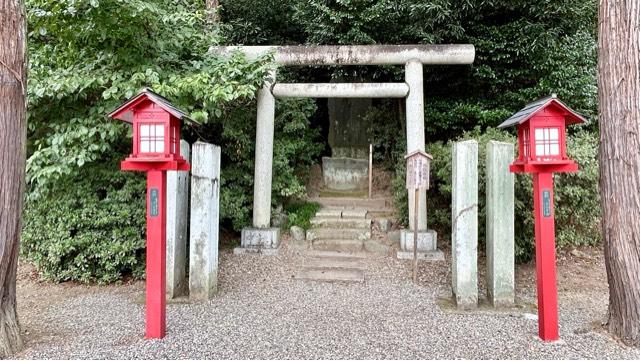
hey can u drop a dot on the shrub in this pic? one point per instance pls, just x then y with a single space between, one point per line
91 231
294 151
300 214
576 199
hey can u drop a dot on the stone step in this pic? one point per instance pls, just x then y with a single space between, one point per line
338 245
338 233
332 222
337 212
354 213
329 274
319 253
329 213
334 262
354 202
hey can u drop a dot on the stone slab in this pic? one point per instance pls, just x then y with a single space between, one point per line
176 228
332 222
464 223
430 256
338 245
500 225
348 275
204 228
354 213
260 238
427 240
355 202
334 262
320 253
338 233
330 213
345 173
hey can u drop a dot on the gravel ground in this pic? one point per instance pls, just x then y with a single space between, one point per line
260 312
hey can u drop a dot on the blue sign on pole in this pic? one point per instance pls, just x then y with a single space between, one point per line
546 203
153 202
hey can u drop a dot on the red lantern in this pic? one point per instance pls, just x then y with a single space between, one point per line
156 132
542 145
156 149
542 150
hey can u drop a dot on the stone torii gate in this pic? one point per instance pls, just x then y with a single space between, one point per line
261 237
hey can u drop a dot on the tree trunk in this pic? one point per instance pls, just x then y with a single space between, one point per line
213 8
619 101
12 163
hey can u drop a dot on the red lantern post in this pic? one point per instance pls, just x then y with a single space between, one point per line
542 152
156 149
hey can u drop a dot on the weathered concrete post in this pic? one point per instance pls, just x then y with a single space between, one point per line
500 224
264 158
464 223
177 225
205 199
415 132
262 238
427 238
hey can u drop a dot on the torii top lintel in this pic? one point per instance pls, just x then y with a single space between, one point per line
449 54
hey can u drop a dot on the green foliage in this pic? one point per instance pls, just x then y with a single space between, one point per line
524 49
91 230
295 149
86 57
300 214
577 209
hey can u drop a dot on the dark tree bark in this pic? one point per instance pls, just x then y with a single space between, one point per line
212 7
619 113
12 163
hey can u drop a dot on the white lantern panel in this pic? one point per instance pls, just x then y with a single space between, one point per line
144 146
159 146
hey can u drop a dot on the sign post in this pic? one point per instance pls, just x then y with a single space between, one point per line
418 163
542 151
156 149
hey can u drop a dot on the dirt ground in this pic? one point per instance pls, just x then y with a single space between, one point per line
582 285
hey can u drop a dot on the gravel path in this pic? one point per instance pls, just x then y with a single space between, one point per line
262 313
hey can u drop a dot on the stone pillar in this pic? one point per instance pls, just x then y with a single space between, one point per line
500 224
464 224
204 230
264 158
261 238
415 132
177 225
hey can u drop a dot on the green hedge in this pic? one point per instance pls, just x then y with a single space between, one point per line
576 194
93 231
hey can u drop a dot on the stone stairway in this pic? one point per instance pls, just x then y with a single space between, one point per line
338 240
339 229
331 266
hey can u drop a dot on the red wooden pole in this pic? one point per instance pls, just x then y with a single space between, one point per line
156 253
545 256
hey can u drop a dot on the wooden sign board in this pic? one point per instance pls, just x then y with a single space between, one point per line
418 164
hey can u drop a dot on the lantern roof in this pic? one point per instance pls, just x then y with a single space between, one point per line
123 112
418 152
524 114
